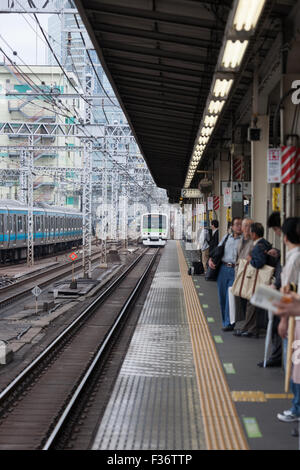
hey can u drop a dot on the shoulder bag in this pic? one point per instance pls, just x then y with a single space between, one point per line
248 277
217 255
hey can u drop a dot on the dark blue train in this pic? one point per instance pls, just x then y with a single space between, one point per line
54 229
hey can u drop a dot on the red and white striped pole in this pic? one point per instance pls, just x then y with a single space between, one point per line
289 164
238 168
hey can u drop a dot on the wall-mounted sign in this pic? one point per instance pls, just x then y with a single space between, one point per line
276 199
247 188
227 197
274 165
237 196
237 186
191 193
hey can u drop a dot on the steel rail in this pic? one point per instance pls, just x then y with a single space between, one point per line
99 299
97 358
61 271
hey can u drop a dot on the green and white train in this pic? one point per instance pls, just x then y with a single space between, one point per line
154 229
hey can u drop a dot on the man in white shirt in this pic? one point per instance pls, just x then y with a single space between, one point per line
289 280
204 246
226 273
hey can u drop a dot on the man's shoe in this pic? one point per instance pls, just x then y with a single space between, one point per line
237 332
228 328
270 363
247 334
288 417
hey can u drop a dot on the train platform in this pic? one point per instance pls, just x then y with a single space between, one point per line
187 385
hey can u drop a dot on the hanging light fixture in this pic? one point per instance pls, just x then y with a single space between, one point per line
234 53
215 107
247 14
222 87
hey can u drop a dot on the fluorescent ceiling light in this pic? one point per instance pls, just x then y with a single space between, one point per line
206 130
233 53
222 87
247 14
215 107
210 120
203 140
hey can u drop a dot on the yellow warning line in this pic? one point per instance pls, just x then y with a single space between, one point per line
222 426
258 396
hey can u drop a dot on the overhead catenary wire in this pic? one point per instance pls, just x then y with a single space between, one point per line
93 66
57 60
51 101
31 83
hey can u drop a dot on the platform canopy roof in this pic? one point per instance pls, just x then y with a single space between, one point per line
160 57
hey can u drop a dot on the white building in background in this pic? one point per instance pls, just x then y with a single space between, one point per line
37 109
74 50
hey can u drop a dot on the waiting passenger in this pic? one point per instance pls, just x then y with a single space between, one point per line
289 277
291 308
244 249
214 240
275 223
204 246
258 258
226 273
275 359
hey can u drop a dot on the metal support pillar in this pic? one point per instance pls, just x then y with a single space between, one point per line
23 177
103 258
87 210
124 217
113 213
29 170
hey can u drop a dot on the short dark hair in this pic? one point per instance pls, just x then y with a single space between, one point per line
257 228
215 223
291 229
236 218
274 220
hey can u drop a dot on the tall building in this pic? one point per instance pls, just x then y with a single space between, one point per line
32 108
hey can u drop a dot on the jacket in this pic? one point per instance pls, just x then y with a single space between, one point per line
259 255
214 242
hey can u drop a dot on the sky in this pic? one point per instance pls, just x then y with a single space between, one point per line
17 33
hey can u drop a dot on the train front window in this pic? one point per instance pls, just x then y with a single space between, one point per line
154 221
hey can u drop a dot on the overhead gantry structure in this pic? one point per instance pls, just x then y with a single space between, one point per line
180 69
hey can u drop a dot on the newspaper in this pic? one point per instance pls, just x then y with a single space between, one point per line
265 297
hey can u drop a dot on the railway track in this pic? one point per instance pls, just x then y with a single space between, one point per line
35 406
23 287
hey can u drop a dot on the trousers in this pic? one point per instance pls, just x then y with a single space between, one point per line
224 281
205 258
295 388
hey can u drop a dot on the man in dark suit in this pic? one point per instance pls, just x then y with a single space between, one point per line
214 239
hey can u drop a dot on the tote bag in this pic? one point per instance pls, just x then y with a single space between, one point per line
248 277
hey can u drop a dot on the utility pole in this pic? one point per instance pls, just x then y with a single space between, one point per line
87 210
103 258
29 170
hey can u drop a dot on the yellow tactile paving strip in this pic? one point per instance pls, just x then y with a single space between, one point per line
223 430
258 396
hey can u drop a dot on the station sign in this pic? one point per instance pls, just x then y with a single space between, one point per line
237 186
191 193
